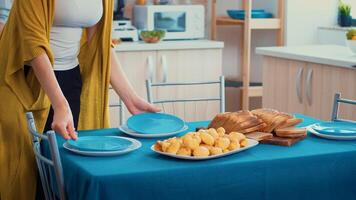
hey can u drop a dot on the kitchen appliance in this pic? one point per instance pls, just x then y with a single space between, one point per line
179 21
123 30
119 6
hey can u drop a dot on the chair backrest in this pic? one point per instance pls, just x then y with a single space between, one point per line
220 98
337 101
45 165
119 105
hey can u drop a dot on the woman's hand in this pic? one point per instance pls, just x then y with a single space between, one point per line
63 122
139 105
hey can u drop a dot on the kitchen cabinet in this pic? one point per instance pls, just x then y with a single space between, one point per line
307 88
181 65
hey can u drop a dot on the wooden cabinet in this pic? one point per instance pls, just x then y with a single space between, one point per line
307 88
173 66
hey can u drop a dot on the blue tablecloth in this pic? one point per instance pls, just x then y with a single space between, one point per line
314 168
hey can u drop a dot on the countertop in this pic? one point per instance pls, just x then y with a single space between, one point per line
169 45
336 28
334 55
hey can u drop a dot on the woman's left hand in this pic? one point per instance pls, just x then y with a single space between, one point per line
139 105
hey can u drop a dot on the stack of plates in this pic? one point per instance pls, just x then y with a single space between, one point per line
102 145
153 125
334 130
257 13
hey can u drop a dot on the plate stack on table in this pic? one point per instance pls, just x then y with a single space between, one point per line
335 130
153 125
265 125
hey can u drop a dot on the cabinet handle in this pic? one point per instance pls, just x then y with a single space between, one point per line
150 68
309 86
298 86
165 68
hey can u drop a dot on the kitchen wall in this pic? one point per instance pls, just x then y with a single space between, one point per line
302 19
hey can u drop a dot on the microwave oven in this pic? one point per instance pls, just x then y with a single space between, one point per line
179 21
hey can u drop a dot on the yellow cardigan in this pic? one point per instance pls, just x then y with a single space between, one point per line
26 36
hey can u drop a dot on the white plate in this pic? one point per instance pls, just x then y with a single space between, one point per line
331 137
130 132
251 143
135 145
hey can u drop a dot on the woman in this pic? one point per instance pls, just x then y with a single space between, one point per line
73 38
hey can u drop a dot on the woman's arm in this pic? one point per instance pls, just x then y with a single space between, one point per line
123 88
62 118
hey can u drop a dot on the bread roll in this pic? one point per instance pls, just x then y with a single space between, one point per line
207 138
243 143
201 152
174 147
220 131
222 143
234 145
235 136
216 151
190 142
184 151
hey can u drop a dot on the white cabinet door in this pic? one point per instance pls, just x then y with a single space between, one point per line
189 66
138 66
283 85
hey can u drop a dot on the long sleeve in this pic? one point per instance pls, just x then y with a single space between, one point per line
5 6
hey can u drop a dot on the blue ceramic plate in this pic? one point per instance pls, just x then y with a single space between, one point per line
336 128
330 137
100 143
135 145
240 14
155 123
132 133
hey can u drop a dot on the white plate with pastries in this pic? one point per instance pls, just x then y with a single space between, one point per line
204 145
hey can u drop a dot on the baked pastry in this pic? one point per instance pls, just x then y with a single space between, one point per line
201 152
235 136
215 151
234 145
243 143
221 131
207 138
291 132
184 151
190 142
222 142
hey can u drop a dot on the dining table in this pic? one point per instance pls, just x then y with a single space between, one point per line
314 168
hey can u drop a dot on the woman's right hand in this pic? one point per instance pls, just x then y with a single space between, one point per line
63 122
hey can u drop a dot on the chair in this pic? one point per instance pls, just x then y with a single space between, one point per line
121 112
45 165
119 105
221 98
335 111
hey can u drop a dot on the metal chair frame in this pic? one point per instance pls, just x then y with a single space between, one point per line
336 104
221 82
121 114
45 164
120 104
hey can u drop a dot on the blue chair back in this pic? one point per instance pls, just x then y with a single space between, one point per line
47 165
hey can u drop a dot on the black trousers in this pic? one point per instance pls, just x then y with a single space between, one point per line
70 82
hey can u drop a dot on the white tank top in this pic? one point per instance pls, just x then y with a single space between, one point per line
71 16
